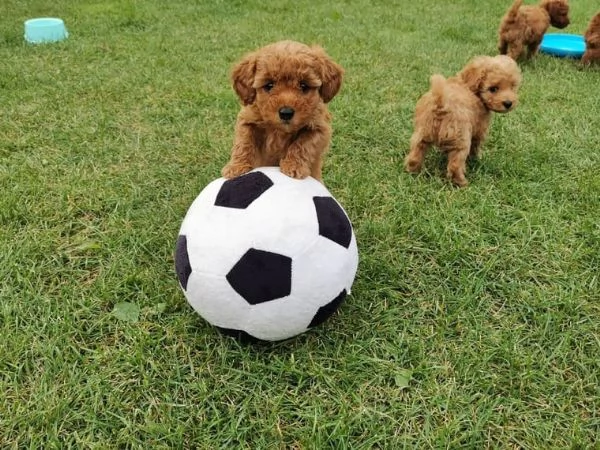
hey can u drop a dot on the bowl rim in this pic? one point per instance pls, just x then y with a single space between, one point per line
46 21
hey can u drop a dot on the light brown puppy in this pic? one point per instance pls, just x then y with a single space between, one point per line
592 42
455 114
522 27
284 121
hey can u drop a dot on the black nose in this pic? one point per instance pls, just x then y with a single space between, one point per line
286 113
507 104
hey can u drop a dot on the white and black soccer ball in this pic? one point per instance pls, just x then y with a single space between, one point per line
264 256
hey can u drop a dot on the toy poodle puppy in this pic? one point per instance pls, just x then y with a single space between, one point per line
592 42
284 121
456 112
523 27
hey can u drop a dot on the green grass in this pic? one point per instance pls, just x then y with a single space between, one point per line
475 316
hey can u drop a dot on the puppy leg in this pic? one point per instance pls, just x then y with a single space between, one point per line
475 151
515 50
502 46
418 149
590 57
295 164
243 153
586 58
304 156
457 157
479 135
532 48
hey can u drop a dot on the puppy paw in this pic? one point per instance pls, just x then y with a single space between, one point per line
294 170
459 181
412 166
235 170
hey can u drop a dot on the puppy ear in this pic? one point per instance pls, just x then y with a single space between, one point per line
474 73
242 77
331 74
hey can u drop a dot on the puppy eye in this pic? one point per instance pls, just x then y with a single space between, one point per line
493 89
304 87
267 87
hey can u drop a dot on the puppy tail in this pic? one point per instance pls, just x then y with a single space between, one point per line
513 12
438 82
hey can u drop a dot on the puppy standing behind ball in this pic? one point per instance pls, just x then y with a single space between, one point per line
455 114
592 42
284 121
523 27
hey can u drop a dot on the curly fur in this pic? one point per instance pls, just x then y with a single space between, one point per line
455 114
284 88
592 41
522 27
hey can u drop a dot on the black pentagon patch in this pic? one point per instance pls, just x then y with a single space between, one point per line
182 261
240 335
326 311
239 192
333 223
261 276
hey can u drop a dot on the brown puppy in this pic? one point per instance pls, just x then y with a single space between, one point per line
523 27
284 121
592 42
455 114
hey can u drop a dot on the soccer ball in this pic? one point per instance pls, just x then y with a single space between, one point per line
264 256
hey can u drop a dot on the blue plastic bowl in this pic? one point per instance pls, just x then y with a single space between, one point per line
45 29
563 45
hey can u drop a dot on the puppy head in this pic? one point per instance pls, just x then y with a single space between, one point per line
495 80
558 11
287 82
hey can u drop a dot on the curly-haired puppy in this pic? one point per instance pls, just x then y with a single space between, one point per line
592 42
523 27
455 114
284 121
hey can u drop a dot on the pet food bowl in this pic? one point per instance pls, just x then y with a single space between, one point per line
563 45
45 29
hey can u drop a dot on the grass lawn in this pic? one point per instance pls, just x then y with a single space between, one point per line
474 320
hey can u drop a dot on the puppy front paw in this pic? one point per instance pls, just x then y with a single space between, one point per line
235 170
458 180
413 165
294 170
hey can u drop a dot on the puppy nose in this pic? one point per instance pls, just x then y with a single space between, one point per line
507 104
286 113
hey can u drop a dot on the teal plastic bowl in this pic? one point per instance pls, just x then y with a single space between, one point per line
563 45
45 29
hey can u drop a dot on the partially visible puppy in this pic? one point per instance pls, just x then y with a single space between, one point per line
284 121
455 114
522 27
592 42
